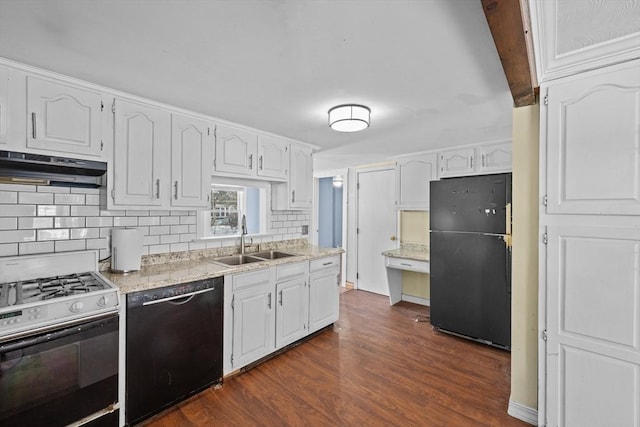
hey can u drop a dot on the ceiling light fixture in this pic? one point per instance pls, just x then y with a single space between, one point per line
349 117
337 181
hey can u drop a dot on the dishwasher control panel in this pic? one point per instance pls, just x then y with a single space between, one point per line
182 290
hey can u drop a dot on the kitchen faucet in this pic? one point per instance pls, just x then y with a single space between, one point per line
244 233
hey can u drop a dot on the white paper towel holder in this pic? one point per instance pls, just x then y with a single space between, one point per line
126 250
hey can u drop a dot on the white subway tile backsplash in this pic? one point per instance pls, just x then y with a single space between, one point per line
150 240
35 248
112 213
70 245
17 187
9 197
17 210
79 190
70 199
169 220
99 221
158 249
101 243
178 229
194 246
28 222
188 219
160 229
9 249
53 189
169 238
85 233
178 247
8 223
26 198
85 211
148 220
53 234
159 213
17 236
53 210
69 221
135 213
125 221
92 200
187 237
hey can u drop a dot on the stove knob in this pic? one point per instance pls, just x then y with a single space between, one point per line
77 306
104 301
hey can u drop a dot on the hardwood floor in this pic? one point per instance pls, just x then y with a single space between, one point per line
376 367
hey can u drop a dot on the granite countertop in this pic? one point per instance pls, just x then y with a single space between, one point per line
413 251
172 273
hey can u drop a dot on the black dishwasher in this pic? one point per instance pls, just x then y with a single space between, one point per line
174 345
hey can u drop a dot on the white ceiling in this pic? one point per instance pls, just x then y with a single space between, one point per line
428 69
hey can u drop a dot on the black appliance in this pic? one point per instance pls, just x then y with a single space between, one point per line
38 169
470 245
174 345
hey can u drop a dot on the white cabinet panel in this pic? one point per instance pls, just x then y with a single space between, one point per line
494 158
63 118
292 311
457 162
324 292
4 105
593 344
593 143
235 150
273 158
191 161
412 181
141 164
298 192
253 322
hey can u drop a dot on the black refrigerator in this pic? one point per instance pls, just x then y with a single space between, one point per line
470 241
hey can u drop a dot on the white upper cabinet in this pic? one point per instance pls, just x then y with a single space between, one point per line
141 155
301 179
63 118
591 119
494 158
412 181
236 151
273 158
458 162
191 161
4 106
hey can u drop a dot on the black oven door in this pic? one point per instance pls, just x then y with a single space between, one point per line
59 377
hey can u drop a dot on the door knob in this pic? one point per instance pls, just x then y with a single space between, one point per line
393 238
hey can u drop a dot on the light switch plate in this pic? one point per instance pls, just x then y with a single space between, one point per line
305 229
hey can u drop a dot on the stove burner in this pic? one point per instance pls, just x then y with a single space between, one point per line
16 293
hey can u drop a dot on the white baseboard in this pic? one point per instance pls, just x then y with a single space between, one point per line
416 300
524 413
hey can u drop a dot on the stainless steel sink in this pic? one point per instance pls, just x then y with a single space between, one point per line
237 259
271 255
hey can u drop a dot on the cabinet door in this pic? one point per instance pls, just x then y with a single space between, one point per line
235 150
273 158
494 158
292 311
301 177
458 162
141 154
324 288
590 121
412 181
63 118
4 105
253 323
191 160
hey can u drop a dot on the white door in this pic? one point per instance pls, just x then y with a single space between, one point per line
376 228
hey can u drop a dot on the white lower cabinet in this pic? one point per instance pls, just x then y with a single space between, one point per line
324 292
271 308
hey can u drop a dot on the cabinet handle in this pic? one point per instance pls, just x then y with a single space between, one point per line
250 161
260 162
471 162
405 264
175 190
483 164
269 303
327 263
280 297
293 196
33 125
158 188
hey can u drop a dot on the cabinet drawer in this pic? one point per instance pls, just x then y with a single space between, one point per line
332 262
252 278
290 271
408 264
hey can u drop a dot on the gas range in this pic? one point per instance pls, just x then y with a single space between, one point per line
42 292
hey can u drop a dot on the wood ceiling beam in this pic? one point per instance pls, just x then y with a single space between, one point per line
509 24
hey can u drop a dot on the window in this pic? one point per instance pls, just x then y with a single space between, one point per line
229 202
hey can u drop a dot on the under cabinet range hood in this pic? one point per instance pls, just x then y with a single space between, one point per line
38 169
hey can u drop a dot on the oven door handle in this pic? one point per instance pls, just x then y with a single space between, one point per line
169 299
43 336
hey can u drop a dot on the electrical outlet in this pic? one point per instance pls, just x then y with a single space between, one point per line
305 229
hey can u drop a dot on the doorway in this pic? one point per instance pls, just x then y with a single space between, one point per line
329 213
376 227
